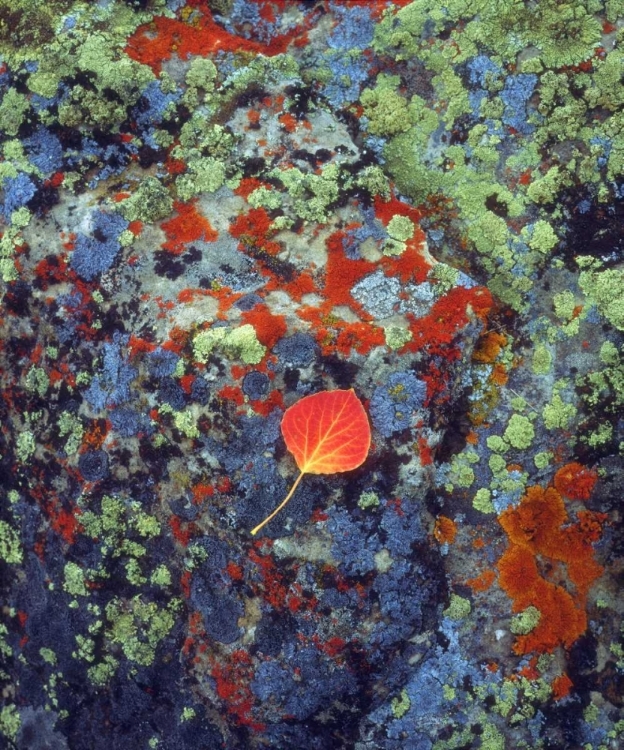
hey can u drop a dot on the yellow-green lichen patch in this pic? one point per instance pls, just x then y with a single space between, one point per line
543 459
149 202
397 336
74 582
519 432
387 111
458 608
9 721
558 414
542 360
186 422
137 627
482 501
525 621
368 500
400 705
605 288
236 343
10 545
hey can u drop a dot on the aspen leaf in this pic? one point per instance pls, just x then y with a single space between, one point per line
327 433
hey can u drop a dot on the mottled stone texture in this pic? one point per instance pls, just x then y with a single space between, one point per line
211 210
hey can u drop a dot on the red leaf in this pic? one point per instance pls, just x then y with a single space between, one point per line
327 432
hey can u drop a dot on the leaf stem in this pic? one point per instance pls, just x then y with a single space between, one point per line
279 507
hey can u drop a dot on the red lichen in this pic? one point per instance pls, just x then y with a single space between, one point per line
447 317
410 267
157 41
233 675
253 230
188 226
269 328
341 273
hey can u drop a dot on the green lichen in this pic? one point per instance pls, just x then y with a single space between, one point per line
545 189
374 181
482 501
491 738
70 425
264 197
188 713
519 432
400 705
525 621
186 422
543 237
10 545
205 175
201 74
543 459
100 674
565 33
558 414
10 721
138 627
133 572
497 444
13 108
400 228
498 465
149 202
600 436
458 608
26 445
609 354
542 360
444 276
564 305
48 656
161 577
605 288
386 110
74 582
311 194
397 336
368 500
37 380
236 343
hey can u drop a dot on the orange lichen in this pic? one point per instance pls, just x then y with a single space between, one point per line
482 582
531 524
499 375
561 686
445 530
539 530
288 122
489 347
518 575
575 481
